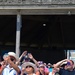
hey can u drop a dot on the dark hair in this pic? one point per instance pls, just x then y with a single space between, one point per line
72 62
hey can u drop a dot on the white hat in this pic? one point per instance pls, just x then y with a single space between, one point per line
41 65
13 54
29 64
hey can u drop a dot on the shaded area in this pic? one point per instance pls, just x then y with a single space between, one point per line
47 55
39 31
59 31
7 29
44 35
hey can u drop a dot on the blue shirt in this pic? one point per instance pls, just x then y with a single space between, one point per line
66 72
50 69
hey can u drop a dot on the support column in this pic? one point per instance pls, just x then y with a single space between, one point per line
68 54
18 29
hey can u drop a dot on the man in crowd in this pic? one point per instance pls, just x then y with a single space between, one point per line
8 67
68 68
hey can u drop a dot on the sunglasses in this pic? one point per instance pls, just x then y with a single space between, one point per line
68 63
29 66
12 59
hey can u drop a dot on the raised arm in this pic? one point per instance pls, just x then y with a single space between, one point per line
23 54
58 64
33 59
8 60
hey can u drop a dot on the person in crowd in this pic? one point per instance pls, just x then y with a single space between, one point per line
53 70
46 68
28 68
26 57
20 60
8 66
41 70
50 67
68 68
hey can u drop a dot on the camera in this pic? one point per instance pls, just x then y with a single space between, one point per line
26 57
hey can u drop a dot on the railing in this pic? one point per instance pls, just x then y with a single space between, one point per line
20 2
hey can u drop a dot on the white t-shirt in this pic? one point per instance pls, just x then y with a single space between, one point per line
9 71
50 73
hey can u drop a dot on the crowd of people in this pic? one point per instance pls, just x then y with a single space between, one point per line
26 64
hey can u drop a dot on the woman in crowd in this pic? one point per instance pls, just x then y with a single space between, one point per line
41 70
28 68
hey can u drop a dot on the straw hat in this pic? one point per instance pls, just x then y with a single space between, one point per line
13 54
24 65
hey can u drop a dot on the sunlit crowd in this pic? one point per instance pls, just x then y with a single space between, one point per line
26 64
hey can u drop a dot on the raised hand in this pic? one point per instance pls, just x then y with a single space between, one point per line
30 56
24 53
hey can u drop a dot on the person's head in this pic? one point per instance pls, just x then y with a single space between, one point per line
54 70
29 67
42 67
45 64
10 56
50 65
69 65
13 56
